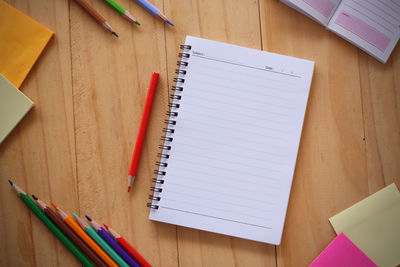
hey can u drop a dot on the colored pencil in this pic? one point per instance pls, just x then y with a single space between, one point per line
128 248
142 129
68 232
99 18
96 237
153 10
110 240
85 237
57 232
125 13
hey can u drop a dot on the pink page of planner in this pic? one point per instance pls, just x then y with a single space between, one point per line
342 252
325 7
363 30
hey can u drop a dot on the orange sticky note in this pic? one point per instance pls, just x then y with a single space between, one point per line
21 43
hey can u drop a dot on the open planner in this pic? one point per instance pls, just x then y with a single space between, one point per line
231 140
371 25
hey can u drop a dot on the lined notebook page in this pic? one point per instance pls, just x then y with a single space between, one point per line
235 141
372 25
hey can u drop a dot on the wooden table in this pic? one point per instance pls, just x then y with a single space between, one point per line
74 148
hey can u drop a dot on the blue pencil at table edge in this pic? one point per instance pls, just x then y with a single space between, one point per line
112 243
153 10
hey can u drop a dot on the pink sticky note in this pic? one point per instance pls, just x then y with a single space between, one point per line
342 252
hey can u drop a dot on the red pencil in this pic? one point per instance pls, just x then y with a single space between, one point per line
142 129
128 248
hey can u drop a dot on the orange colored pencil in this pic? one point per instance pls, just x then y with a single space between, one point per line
78 230
142 129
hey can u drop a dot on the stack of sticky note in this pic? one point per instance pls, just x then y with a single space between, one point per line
368 233
13 106
21 43
22 40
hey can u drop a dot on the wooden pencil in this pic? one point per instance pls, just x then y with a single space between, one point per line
142 129
85 237
99 18
69 233
113 243
103 244
52 227
128 248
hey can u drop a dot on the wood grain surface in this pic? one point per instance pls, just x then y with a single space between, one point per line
89 88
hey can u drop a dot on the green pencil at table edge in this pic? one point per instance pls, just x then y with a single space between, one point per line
56 231
121 10
103 244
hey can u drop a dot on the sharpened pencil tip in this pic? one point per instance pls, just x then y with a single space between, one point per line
76 216
11 183
137 22
54 205
87 217
129 189
115 34
170 23
34 197
105 225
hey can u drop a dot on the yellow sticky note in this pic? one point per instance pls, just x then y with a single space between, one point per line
373 224
13 106
22 40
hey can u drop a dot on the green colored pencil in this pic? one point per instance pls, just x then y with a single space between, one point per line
103 244
60 235
122 11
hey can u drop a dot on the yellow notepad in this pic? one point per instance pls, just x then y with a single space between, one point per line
13 107
373 224
22 40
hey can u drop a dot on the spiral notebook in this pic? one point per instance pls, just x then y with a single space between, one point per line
231 140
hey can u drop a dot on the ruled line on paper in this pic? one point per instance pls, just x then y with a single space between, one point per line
221 199
235 139
277 86
243 196
249 176
238 141
392 8
246 66
239 154
370 18
264 93
217 94
382 10
237 129
212 71
266 119
261 226
234 162
243 110
231 211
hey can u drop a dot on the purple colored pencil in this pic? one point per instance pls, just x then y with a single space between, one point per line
113 243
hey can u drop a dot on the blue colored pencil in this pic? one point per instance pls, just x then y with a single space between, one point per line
153 10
